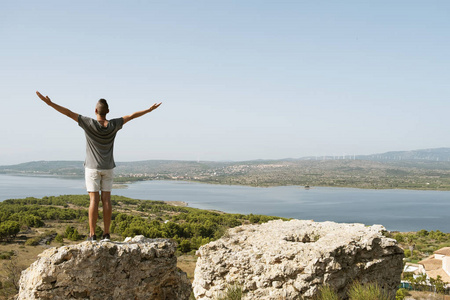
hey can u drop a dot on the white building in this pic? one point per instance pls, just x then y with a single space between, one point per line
437 264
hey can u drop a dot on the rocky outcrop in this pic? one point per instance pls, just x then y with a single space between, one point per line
292 259
139 268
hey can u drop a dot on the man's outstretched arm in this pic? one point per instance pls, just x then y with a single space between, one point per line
140 113
59 108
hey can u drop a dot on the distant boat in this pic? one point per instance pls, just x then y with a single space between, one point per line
307 187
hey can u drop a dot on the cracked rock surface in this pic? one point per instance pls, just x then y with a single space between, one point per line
138 268
292 259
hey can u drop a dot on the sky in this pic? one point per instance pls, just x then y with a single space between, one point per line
239 80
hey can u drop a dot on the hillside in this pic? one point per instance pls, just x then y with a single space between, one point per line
30 225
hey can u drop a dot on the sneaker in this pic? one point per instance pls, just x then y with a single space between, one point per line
106 237
92 238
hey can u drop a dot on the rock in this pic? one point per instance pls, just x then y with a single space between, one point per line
137 269
293 259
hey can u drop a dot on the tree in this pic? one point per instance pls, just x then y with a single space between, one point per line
185 246
9 230
11 278
438 284
410 240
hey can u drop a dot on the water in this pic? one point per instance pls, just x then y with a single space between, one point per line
403 210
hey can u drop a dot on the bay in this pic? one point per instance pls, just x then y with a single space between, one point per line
402 210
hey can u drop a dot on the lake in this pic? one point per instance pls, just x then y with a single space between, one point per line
403 210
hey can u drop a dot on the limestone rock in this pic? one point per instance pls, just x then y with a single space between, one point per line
292 259
139 268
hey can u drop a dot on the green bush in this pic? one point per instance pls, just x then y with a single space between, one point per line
399 237
184 246
33 241
59 238
401 294
72 234
6 254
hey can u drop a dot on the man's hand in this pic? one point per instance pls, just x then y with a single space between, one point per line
155 106
140 113
46 99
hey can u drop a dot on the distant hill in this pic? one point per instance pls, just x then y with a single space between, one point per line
62 167
76 167
436 154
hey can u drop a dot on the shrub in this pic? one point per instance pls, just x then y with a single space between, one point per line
371 291
185 246
32 242
72 234
98 231
401 294
6 254
59 238
233 292
326 293
399 237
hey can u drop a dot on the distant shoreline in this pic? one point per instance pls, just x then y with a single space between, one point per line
124 184
416 172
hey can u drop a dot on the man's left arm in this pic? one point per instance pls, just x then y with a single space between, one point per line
140 113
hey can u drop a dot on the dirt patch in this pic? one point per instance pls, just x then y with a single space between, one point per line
415 295
176 203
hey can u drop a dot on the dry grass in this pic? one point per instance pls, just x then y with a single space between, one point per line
187 264
426 296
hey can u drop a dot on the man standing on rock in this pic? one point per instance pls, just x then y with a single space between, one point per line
99 163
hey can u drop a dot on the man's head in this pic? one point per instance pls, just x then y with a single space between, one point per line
102 107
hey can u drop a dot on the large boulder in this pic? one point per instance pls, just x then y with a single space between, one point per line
293 259
139 268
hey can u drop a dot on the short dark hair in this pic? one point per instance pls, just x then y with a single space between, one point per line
102 107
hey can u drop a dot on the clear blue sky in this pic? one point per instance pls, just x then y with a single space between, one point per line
238 79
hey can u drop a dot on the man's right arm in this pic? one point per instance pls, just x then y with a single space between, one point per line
59 108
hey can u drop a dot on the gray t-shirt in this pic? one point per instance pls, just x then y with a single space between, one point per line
99 142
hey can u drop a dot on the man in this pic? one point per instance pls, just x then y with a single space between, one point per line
99 163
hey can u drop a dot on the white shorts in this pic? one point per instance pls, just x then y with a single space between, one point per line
99 180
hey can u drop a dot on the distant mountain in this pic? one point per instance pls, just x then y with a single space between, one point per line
436 154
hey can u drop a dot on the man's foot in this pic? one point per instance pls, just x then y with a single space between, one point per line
106 237
92 238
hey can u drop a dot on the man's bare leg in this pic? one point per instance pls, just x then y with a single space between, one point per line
107 210
93 211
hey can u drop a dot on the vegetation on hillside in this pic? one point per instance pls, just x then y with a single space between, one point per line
190 227
421 244
27 223
31 221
